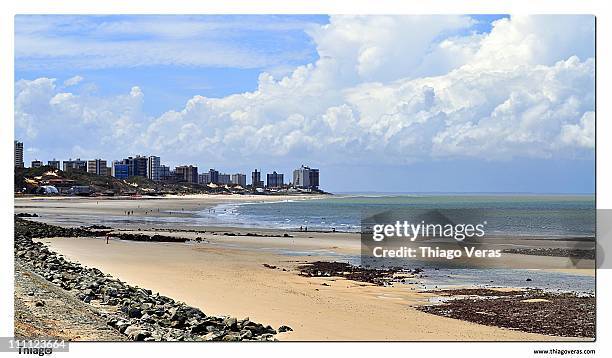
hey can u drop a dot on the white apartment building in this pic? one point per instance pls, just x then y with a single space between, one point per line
153 168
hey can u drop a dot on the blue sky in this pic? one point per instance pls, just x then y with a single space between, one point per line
406 97
284 49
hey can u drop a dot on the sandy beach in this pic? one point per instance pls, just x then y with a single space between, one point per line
172 205
225 275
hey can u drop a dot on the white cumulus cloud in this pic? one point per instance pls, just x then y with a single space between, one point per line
385 89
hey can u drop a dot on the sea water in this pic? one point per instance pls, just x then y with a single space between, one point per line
509 214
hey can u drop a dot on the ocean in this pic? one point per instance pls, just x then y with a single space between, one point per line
553 216
505 214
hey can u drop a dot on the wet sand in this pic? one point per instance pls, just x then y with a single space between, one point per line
168 206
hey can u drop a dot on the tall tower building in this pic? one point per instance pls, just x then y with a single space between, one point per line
54 163
19 155
275 180
306 177
239 179
97 167
153 168
187 173
256 179
214 176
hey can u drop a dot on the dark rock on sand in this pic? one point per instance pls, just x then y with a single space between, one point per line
536 311
376 276
26 215
136 312
282 329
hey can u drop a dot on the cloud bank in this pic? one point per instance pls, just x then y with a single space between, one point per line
385 89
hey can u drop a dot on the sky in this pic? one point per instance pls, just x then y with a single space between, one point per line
457 103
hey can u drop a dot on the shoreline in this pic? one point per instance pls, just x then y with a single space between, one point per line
185 206
550 254
215 273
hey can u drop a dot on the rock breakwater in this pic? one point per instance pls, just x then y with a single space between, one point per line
136 312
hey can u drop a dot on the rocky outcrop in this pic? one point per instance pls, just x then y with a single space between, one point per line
562 314
138 313
147 238
375 276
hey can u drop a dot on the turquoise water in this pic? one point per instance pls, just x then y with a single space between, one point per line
539 215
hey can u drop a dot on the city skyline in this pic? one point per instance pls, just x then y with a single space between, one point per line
462 104
151 167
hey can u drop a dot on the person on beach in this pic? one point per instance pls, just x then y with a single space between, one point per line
107 239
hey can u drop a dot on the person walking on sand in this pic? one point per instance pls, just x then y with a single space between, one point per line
107 239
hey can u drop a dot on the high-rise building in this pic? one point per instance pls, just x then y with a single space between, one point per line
54 164
214 176
137 166
274 180
224 179
36 164
239 179
313 177
19 155
204 178
120 170
187 173
164 172
256 179
301 178
74 165
306 177
153 166
97 167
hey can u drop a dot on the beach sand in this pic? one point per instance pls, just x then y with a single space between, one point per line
228 281
224 275
171 205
